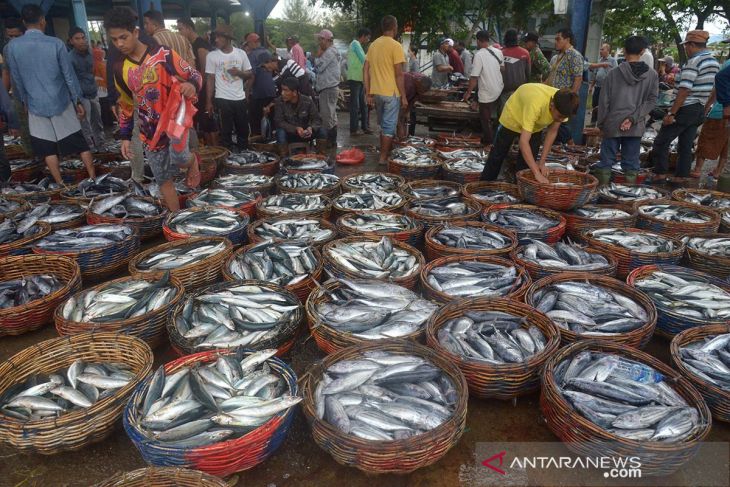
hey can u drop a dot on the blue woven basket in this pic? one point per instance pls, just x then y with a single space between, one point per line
223 458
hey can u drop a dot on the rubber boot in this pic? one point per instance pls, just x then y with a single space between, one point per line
723 183
603 175
630 177
283 150
322 146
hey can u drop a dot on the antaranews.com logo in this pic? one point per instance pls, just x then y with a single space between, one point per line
612 467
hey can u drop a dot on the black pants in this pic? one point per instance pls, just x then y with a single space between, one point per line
233 113
595 100
4 164
686 123
485 116
500 149
256 107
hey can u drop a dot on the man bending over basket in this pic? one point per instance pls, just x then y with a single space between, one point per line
160 81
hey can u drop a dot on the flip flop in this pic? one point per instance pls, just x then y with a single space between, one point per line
192 179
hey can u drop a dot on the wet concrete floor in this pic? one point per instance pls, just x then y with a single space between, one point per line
299 461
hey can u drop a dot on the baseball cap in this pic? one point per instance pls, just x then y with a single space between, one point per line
325 34
531 36
699 36
450 42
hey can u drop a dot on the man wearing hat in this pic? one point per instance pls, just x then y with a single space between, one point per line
441 66
327 66
539 65
296 52
454 58
226 68
694 85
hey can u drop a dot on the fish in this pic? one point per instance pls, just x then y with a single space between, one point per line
466 165
118 301
373 310
16 164
17 292
373 180
625 397
495 337
28 188
395 397
177 257
464 154
641 242
600 213
153 189
235 315
84 238
706 199
467 279
709 359
434 190
209 403
716 246
371 259
210 220
471 238
222 197
306 163
309 181
442 207
51 213
493 195
11 231
623 192
71 164
527 223
307 230
368 200
589 309
417 140
242 181
7 206
686 295
674 213
66 389
285 264
569 256
411 155
283 204
378 223
125 206
103 185
245 157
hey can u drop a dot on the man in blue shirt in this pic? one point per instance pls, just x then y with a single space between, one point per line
44 80
83 63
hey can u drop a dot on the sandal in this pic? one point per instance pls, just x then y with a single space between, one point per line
192 179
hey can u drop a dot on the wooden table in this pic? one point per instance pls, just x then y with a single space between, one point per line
449 115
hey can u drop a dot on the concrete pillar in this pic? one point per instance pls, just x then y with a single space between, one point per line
79 10
579 22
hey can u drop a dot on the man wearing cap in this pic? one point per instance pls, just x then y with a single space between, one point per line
296 52
539 65
226 68
486 74
441 65
454 59
694 86
530 109
262 86
327 66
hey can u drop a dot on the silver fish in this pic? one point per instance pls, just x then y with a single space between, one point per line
525 223
686 295
86 237
466 279
210 220
371 259
183 255
245 157
374 180
368 200
706 199
674 213
563 256
222 197
414 156
242 181
17 292
442 207
466 164
474 238
306 230
379 223
709 359
641 242
284 264
718 246
309 181
600 213
622 192
283 204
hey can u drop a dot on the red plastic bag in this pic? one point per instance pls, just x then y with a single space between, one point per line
351 157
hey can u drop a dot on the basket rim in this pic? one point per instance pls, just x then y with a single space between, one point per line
130 238
346 184
514 241
163 247
688 336
242 226
228 276
612 261
420 259
155 201
714 216
587 236
324 223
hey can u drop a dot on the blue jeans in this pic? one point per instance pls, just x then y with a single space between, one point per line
630 150
358 107
284 137
388 109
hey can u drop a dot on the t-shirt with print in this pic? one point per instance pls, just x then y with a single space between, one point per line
227 86
567 66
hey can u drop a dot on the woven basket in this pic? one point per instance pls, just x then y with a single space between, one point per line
300 289
718 399
101 262
35 314
339 211
237 236
399 456
678 229
628 260
724 227
23 206
716 265
413 237
630 205
538 272
211 158
414 173
440 297
331 340
266 169
53 194
245 209
222 458
348 184
496 381
321 212
22 246
575 224
149 327
461 177
70 176
323 223
453 141
28 173
148 227
75 429
162 477
336 270
76 222
434 249
549 236
192 276
585 438
286 167
329 191
430 221
470 189
574 195
637 338
670 323
428 142
681 195
263 189
408 188
283 342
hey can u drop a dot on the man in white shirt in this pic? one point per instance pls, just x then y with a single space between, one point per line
226 69
486 75
648 58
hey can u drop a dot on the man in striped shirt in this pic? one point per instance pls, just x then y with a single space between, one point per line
694 86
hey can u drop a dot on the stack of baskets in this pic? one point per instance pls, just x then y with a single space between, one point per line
211 158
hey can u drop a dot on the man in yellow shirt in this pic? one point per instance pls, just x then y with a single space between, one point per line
531 108
383 77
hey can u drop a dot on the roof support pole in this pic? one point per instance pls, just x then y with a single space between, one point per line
579 23
80 18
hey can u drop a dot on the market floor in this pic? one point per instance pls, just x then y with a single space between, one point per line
300 462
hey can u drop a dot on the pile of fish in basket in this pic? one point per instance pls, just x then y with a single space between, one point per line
419 292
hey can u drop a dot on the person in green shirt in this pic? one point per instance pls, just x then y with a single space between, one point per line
355 63
540 65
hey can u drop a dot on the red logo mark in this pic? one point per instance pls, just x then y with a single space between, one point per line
488 462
